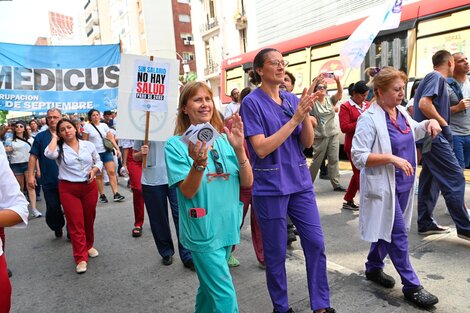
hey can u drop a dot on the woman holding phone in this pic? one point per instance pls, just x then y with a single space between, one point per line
78 163
208 180
326 130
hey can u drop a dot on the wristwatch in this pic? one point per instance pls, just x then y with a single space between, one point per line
199 168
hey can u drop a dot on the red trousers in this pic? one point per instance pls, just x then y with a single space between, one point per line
135 175
353 183
5 286
246 198
79 202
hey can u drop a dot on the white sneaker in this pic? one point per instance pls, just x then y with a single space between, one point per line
36 213
93 253
81 267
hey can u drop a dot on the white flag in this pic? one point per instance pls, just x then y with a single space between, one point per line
354 50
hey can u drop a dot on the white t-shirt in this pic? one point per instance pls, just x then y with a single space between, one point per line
94 136
465 87
20 153
10 195
232 108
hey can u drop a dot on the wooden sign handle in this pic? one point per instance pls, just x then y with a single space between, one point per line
147 126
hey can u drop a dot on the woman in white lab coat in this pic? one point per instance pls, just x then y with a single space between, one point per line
383 149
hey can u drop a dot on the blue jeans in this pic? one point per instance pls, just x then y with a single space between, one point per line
462 150
155 198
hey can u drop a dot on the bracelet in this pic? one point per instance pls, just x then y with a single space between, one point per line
243 164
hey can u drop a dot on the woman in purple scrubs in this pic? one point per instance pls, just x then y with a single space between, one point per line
278 129
383 149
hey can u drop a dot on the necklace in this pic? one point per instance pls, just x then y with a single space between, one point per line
394 123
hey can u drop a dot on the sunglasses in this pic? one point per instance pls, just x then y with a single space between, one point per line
219 169
322 87
19 126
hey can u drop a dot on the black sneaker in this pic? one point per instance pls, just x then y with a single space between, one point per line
291 237
189 264
103 199
288 311
58 233
118 197
465 235
167 260
381 278
339 188
421 298
434 229
350 205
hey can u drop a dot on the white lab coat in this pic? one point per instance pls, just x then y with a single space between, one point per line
377 183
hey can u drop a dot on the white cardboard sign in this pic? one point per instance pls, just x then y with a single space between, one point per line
146 85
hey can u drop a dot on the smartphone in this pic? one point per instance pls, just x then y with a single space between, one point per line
197 212
328 75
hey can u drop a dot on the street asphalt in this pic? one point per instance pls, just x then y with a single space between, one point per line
128 275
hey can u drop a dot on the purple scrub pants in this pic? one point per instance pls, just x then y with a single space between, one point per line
271 212
397 249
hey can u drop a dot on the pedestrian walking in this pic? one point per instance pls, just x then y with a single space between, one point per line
383 150
78 163
440 168
47 173
278 129
96 132
13 211
208 180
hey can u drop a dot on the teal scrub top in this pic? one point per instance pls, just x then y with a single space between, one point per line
220 198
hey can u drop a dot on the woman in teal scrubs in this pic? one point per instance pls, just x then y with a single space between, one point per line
209 178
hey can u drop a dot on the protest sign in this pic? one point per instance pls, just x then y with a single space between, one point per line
71 78
147 86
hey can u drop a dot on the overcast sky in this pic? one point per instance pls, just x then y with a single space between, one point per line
22 21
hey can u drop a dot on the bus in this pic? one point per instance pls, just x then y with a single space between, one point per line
426 27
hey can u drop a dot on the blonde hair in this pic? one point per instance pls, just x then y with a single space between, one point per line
182 119
384 79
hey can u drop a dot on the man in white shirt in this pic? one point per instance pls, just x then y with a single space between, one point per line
13 211
234 106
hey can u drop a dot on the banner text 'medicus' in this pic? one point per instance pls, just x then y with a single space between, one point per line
22 78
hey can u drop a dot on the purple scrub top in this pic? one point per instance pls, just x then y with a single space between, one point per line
285 170
403 146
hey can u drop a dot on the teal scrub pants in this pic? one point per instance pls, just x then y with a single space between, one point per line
216 293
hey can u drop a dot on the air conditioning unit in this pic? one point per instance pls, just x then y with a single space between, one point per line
186 42
191 43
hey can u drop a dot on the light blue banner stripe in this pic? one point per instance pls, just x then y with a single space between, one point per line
58 56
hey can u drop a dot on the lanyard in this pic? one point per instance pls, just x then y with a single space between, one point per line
403 131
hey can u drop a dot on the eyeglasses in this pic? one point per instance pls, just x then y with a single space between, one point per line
19 126
219 169
276 63
53 117
321 87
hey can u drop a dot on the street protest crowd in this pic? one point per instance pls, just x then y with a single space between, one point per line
253 157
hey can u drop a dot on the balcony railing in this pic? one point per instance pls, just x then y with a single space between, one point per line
213 23
212 68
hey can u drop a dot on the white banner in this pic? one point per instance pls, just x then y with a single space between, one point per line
355 49
146 85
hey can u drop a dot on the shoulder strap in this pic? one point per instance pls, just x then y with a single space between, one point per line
22 139
455 87
97 130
